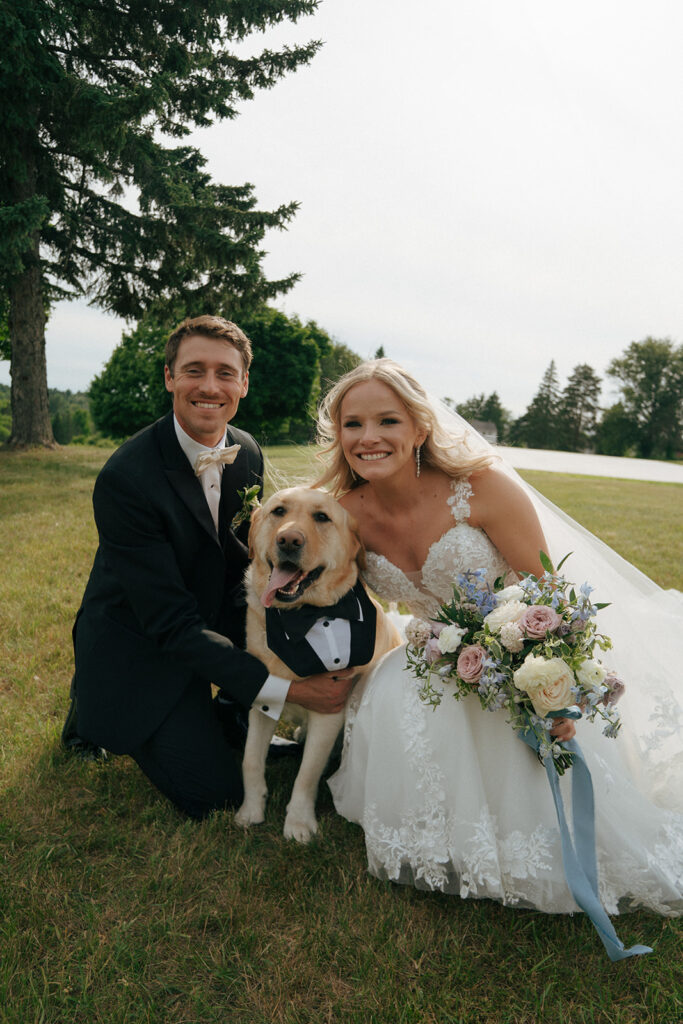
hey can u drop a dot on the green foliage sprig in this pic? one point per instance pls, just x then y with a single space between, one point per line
250 501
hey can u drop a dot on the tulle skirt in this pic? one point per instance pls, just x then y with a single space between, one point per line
451 800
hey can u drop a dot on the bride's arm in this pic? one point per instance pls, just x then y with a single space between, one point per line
505 512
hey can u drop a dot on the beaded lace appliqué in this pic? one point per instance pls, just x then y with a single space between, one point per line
462 547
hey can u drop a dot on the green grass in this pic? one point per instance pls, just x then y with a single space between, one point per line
642 521
115 910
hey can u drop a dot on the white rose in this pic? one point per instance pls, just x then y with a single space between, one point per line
509 611
548 681
450 638
591 674
511 593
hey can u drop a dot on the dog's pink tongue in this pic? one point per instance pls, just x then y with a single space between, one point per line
278 578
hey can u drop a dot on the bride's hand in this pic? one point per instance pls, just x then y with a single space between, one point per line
563 729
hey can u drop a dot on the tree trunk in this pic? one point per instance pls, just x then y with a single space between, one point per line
30 410
28 368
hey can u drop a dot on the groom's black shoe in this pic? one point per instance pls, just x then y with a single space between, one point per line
74 743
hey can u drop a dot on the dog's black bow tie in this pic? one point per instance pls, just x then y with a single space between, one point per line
286 631
296 622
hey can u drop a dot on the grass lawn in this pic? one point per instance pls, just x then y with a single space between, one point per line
115 910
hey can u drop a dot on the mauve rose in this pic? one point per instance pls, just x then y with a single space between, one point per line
432 652
470 663
539 620
615 689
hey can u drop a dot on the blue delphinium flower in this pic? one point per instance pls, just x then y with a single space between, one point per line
530 588
491 685
471 581
585 607
498 701
545 749
477 591
486 602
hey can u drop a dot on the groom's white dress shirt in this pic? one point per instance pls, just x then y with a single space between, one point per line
272 696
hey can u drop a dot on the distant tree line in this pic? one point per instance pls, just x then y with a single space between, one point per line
646 420
69 416
295 362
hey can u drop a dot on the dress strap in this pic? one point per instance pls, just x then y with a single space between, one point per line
460 500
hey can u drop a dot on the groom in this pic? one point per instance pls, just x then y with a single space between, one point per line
163 612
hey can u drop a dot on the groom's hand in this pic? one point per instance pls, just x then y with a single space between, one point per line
325 692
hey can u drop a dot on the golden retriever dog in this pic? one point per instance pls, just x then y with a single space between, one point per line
305 550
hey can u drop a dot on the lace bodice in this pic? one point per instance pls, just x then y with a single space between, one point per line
460 548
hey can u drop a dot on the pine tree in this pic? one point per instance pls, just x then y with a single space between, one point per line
537 426
92 202
577 411
486 408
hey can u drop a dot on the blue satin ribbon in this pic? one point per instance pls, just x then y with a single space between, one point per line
579 858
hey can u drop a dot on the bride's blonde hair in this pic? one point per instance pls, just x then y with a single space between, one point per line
442 450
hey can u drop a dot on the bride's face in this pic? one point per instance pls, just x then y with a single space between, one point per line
377 433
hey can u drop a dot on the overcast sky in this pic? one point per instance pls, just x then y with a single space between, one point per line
484 186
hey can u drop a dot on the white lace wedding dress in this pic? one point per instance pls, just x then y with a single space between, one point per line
450 799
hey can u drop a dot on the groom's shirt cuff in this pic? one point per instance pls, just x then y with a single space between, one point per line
272 696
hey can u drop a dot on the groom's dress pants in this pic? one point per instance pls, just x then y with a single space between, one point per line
188 757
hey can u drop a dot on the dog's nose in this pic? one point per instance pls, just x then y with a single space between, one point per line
290 540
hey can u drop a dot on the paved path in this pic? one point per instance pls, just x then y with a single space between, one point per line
593 465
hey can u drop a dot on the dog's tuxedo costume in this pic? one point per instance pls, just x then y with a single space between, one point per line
310 639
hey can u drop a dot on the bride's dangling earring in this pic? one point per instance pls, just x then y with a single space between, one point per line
417 460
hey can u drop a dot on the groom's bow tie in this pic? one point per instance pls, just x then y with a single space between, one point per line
219 456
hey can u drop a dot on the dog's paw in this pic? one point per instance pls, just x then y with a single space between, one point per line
250 814
300 826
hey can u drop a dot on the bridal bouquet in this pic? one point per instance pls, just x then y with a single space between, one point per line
528 649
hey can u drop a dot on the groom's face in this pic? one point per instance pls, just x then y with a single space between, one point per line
207 383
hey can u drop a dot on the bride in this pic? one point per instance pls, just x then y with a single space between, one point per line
449 798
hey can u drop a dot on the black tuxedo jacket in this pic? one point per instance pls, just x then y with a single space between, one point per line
164 606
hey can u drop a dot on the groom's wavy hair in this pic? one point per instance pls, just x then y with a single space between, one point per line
448 452
208 327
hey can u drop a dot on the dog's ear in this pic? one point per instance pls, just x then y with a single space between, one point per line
354 529
255 519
